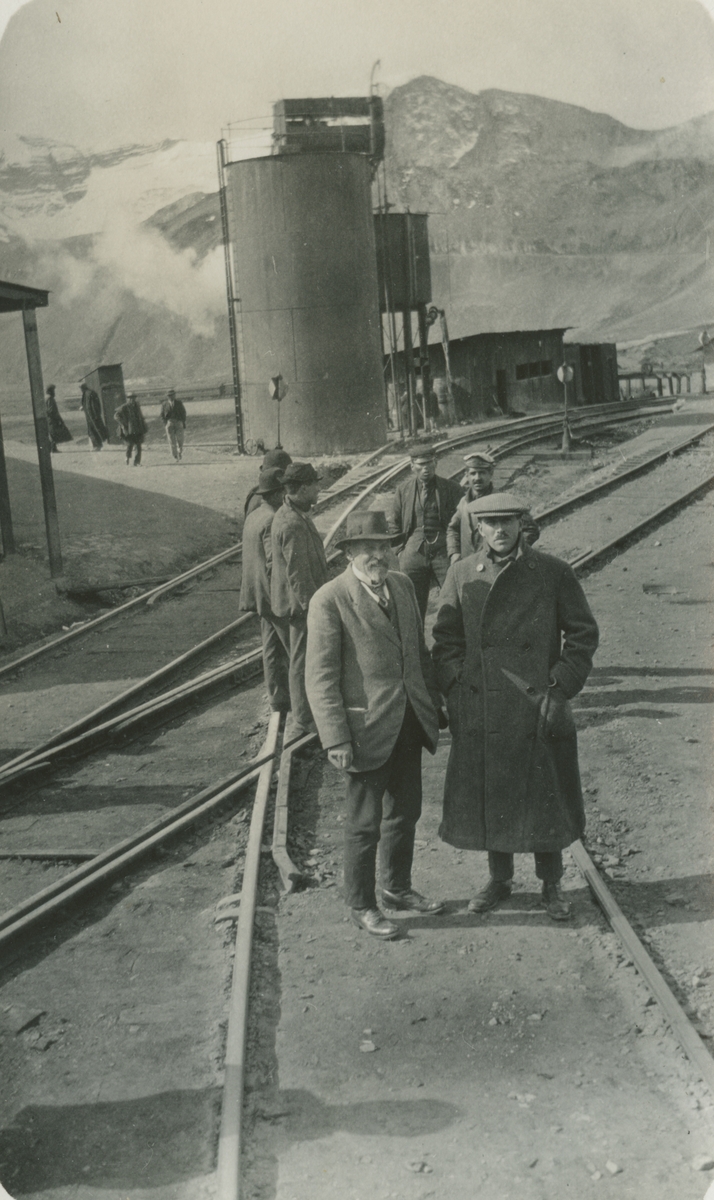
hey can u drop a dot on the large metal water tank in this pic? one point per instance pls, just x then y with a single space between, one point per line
305 268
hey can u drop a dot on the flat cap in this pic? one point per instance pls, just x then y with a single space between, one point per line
421 450
270 480
497 504
480 456
298 473
277 458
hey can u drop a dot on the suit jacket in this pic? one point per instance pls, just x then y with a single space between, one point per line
405 514
299 563
257 561
362 667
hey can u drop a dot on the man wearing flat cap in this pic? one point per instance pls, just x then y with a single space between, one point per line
371 687
462 535
255 585
299 569
514 640
272 458
422 508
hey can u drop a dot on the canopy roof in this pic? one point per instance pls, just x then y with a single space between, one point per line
15 296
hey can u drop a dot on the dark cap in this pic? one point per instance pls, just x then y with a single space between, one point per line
421 451
297 473
277 458
51 388
366 526
497 504
132 395
172 393
270 480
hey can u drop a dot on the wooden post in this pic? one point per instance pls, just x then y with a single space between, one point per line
409 370
39 412
6 534
670 382
660 385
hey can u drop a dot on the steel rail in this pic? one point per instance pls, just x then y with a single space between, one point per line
51 899
599 489
123 721
229 1141
679 1022
136 689
582 561
85 627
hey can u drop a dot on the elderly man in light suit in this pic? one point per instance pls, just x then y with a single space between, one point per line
371 689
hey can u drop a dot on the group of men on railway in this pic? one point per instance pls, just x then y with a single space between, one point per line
513 642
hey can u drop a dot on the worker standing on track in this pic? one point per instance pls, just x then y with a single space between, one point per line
514 640
173 415
421 511
462 536
372 690
255 585
92 406
58 431
132 427
274 458
299 569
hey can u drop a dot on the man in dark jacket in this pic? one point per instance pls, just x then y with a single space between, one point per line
371 687
514 640
274 458
173 415
462 536
299 569
92 406
132 426
56 427
421 511
255 585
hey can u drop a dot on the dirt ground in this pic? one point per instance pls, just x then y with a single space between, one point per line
501 1056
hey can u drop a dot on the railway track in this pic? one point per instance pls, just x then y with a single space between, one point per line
88 731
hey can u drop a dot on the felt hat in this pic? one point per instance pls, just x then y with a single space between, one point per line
366 526
298 473
277 458
270 480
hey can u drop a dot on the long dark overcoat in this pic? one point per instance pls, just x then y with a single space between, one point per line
508 786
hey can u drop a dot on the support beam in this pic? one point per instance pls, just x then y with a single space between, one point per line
6 534
39 412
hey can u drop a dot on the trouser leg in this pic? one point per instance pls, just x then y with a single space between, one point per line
276 667
363 815
171 438
401 806
302 714
129 448
179 437
549 866
137 454
500 866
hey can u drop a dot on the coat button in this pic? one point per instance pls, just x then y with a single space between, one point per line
480 567
526 645
532 566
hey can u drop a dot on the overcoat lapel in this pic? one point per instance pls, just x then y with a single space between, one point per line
368 610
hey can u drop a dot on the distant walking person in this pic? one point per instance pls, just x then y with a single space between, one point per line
299 569
57 429
274 458
92 406
132 427
255 585
173 415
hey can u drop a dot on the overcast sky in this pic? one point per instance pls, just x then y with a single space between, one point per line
98 73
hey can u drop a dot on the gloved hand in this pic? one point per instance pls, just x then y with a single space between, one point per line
341 756
556 715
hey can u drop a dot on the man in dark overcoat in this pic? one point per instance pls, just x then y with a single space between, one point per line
462 535
92 407
58 431
514 640
422 508
371 687
132 427
299 569
255 585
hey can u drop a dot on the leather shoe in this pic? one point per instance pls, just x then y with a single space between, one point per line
490 897
374 922
412 901
552 901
